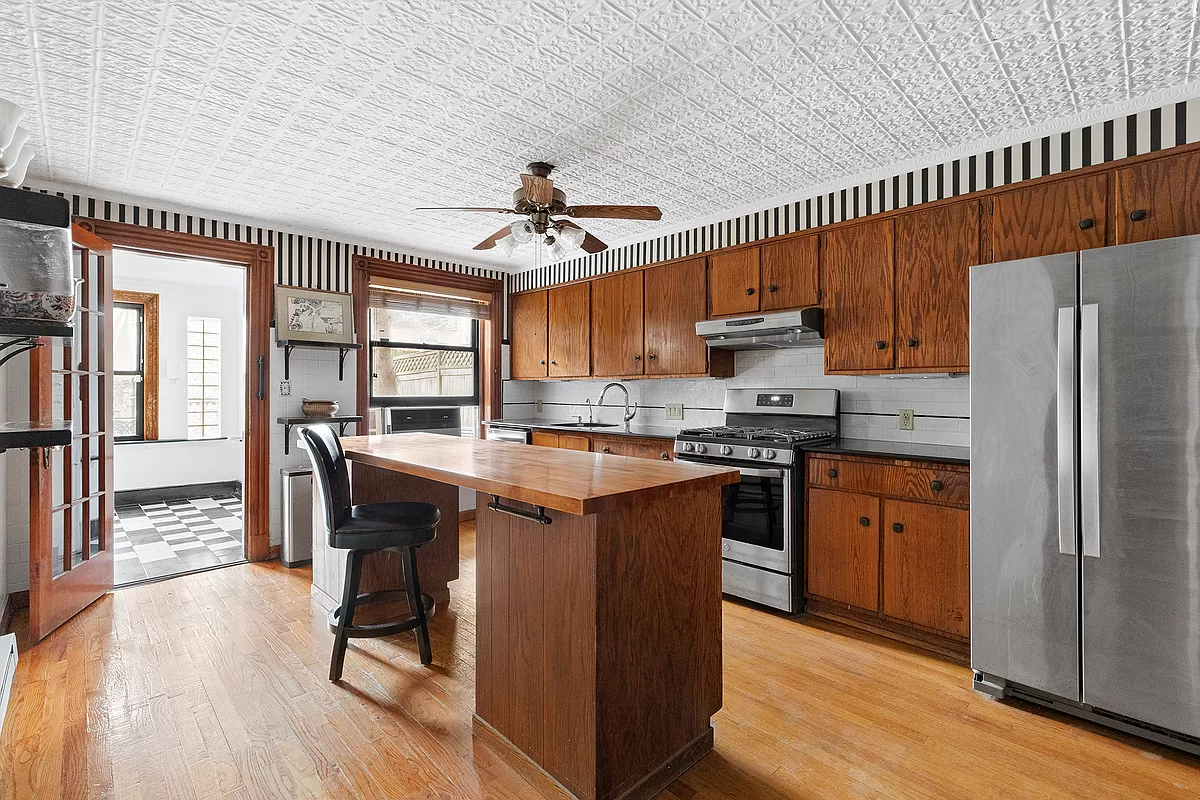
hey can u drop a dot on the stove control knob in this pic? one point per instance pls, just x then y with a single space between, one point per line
688 447
724 547
754 452
726 450
701 448
770 454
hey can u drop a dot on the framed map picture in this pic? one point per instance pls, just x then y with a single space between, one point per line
314 316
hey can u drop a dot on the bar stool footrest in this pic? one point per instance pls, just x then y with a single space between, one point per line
388 627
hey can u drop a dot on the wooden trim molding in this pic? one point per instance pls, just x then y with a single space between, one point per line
259 261
149 303
16 600
491 330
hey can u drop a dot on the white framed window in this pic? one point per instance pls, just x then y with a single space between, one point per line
204 378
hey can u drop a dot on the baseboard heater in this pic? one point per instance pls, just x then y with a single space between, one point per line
8 669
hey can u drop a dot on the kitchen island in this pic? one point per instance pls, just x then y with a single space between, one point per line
598 604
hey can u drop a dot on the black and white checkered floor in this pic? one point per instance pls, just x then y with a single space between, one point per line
161 539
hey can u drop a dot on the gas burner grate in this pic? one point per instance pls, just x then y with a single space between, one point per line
753 434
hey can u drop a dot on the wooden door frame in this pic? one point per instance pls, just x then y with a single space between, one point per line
149 303
491 334
259 262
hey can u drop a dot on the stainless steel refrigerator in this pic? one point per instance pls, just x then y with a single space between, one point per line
1085 484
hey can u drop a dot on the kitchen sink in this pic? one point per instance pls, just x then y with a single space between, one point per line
585 425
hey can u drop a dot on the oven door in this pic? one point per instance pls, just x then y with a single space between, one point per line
756 518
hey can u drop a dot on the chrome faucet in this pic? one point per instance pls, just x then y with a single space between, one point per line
629 413
588 400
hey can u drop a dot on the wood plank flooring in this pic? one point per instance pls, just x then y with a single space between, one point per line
213 686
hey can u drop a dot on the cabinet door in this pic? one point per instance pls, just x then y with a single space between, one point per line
733 282
842 547
935 250
1051 218
543 439
926 566
789 273
658 449
617 325
569 311
675 300
1158 199
527 335
572 441
858 279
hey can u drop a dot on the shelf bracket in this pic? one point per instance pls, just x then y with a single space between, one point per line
22 344
287 361
287 431
342 351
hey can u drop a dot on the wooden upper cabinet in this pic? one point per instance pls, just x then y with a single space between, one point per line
935 250
1158 199
1056 217
569 339
675 302
617 325
790 273
842 547
857 276
527 335
733 282
926 566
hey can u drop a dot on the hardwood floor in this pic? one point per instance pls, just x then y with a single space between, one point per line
213 686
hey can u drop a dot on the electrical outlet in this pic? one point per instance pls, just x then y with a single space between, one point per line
906 419
537 406
285 388
674 410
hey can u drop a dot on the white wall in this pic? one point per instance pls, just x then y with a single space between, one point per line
870 404
185 289
16 468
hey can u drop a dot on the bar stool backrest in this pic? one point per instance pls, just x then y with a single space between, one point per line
331 473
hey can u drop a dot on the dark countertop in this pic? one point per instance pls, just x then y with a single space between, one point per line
945 453
646 431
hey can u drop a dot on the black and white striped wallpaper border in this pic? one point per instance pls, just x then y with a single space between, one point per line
1109 140
311 262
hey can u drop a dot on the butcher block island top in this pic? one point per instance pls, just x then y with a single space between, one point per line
597 601
564 480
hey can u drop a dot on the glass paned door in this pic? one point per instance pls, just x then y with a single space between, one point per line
71 492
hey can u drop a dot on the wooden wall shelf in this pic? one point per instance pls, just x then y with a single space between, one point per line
299 422
289 345
24 435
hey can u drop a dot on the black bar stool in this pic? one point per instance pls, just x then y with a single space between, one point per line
363 529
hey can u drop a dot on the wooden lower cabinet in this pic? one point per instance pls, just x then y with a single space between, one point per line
887 552
563 441
635 446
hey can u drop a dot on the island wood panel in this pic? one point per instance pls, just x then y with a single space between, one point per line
1158 199
790 273
617 338
857 276
842 547
569 340
675 301
528 328
437 561
1056 217
587 700
733 282
890 478
926 566
935 249
577 483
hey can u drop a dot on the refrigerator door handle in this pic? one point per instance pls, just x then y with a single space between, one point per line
1066 431
1089 424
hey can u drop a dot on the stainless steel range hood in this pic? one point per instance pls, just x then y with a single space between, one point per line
783 329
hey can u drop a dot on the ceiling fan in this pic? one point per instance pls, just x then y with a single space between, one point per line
544 207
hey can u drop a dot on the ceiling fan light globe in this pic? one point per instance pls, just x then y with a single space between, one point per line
571 238
507 244
522 231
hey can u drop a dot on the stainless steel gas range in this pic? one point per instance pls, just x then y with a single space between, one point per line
762 435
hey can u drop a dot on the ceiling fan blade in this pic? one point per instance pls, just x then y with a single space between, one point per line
469 208
490 242
590 243
615 212
539 191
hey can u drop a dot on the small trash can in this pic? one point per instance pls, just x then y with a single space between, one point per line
296 548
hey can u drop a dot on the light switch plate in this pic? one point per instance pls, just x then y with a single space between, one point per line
285 388
906 419
674 410
537 406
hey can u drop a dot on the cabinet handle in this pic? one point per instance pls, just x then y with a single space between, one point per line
637 357
542 362
772 288
1138 214
552 361
864 521
651 356
897 527
749 290
664 455
937 486
913 342
881 345
1086 224
832 473
605 449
